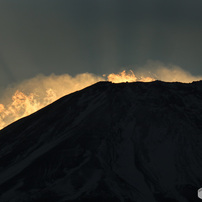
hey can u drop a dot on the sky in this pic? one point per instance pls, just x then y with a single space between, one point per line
96 36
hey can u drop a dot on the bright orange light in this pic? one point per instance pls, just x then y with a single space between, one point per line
122 77
41 91
23 105
147 79
1 108
127 77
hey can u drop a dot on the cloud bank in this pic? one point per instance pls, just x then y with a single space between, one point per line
168 73
36 93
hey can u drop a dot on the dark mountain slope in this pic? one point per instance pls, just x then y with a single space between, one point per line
138 142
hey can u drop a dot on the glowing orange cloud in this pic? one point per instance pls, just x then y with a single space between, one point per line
23 105
127 77
122 77
36 93
1 108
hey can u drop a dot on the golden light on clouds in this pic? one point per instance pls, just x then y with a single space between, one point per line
127 77
122 77
36 93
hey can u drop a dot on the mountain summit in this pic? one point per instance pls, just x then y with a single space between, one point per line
139 142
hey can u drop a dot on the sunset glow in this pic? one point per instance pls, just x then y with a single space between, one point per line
122 77
127 77
22 103
36 93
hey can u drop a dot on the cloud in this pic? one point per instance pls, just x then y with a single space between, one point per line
168 73
34 94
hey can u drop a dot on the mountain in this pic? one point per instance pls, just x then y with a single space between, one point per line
139 142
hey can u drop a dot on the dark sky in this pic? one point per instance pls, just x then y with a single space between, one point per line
97 36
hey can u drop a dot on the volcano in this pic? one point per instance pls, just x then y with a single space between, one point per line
139 142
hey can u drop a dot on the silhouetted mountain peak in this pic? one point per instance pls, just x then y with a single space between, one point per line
108 142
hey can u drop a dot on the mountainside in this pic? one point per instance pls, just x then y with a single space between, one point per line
138 142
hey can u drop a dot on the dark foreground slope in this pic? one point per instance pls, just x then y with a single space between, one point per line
138 142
